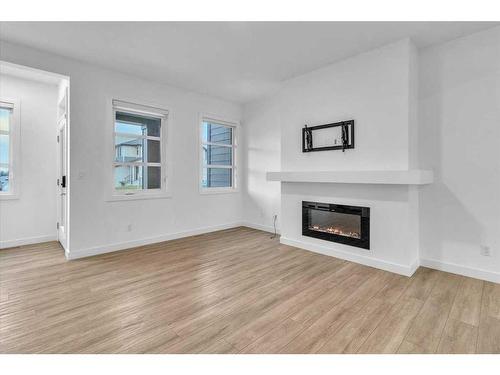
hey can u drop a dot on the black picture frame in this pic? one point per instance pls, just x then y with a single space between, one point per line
348 136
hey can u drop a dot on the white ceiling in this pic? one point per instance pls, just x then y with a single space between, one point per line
238 61
30 74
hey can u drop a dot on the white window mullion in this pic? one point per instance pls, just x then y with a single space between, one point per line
217 144
137 136
217 166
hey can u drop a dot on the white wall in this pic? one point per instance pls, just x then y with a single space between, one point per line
371 88
32 217
98 225
459 120
263 153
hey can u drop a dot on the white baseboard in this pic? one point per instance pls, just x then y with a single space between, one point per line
82 253
415 266
27 241
475 273
265 228
367 261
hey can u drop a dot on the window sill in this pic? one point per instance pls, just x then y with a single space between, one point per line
207 191
8 197
136 197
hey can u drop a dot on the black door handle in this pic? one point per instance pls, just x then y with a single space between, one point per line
63 181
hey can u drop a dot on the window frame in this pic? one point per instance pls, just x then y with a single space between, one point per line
14 134
141 110
235 159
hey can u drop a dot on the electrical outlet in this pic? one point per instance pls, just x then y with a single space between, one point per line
485 251
129 228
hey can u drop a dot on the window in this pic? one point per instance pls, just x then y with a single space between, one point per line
9 137
218 167
139 149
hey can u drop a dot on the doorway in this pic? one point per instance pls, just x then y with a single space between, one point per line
34 156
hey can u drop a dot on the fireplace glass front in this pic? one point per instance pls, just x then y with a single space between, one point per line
349 225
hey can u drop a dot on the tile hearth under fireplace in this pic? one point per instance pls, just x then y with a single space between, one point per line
348 225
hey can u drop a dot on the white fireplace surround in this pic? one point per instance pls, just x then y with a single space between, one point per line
396 177
394 221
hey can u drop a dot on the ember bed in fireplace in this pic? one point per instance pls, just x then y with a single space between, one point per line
349 225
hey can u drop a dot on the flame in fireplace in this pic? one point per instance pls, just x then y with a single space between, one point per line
334 230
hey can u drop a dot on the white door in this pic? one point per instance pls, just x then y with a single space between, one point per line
62 179
62 184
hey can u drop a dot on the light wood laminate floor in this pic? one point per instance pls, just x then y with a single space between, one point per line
235 291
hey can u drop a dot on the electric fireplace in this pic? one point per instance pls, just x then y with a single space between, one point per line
349 225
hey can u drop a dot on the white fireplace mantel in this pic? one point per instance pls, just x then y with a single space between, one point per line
394 177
